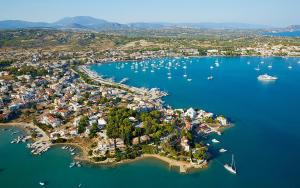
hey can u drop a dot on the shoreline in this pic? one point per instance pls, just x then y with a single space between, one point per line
183 166
137 60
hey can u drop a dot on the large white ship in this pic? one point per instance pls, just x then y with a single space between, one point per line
266 77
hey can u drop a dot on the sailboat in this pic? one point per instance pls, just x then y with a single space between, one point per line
257 68
185 75
270 66
290 66
231 168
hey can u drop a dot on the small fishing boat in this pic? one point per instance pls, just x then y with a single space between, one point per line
72 164
231 168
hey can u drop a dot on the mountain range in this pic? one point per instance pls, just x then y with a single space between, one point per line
90 23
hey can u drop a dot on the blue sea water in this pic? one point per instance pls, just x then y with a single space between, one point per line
265 138
285 34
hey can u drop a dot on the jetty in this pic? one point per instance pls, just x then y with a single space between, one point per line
153 93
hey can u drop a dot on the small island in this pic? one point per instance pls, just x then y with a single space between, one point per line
63 102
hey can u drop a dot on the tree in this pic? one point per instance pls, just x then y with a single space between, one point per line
200 153
83 123
94 130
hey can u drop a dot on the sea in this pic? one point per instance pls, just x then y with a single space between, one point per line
264 137
293 34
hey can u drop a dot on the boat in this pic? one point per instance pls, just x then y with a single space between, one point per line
217 64
222 150
211 67
266 77
270 66
215 141
299 62
257 68
210 78
248 63
72 164
231 168
169 77
185 75
42 183
290 67
189 79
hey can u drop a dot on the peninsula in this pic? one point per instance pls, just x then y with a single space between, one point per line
63 102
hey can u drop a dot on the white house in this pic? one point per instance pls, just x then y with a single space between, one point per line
222 120
191 113
101 123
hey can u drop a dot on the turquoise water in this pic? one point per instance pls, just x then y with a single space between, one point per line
265 138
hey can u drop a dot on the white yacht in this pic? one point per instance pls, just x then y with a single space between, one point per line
189 79
215 141
210 78
42 183
266 77
222 150
231 168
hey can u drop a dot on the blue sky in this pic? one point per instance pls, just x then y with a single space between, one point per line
267 12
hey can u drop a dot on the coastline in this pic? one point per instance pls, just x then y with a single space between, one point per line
183 166
207 56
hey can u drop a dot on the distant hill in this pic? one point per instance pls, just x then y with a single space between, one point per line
90 23
294 27
87 22
19 24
